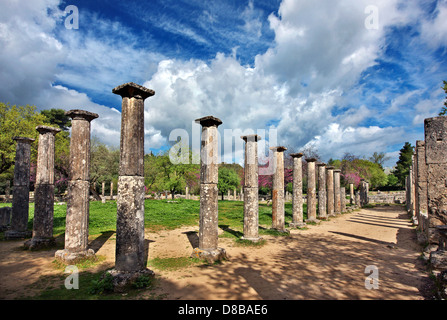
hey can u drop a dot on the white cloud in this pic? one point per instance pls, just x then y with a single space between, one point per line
434 31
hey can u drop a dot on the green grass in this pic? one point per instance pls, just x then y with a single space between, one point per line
161 214
173 263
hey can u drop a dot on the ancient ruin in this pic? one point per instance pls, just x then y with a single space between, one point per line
311 191
322 197
330 191
208 225
251 212
297 195
131 250
44 190
278 218
20 202
76 223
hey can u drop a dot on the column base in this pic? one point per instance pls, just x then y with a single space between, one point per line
14 234
39 243
312 220
123 280
297 224
251 239
210 255
69 257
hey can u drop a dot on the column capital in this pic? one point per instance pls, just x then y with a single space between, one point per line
77 114
279 149
321 164
24 140
47 129
251 137
133 90
337 170
209 121
296 155
311 160
330 168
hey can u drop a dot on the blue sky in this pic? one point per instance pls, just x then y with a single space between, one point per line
311 70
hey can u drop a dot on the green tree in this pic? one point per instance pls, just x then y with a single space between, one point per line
403 164
228 180
58 118
104 165
379 158
17 121
444 108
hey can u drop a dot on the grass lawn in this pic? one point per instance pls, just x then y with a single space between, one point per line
165 214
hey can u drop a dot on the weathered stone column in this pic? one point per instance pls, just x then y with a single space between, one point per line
357 199
421 191
278 215
111 190
351 194
436 161
187 193
311 191
330 191
20 201
363 192
8 191
131 255
337 192
44 190
343 199
322 197
297 193
251 206
76 223
208 225
103 192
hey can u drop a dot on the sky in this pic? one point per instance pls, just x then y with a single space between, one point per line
337 77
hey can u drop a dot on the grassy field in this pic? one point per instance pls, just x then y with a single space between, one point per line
166 214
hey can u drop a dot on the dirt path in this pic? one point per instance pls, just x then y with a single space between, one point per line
326 261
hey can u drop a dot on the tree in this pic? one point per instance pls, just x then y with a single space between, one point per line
104 164
228 180
444 108
17 121
379 158
403 164
57 117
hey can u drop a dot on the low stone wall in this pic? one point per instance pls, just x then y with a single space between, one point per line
385 197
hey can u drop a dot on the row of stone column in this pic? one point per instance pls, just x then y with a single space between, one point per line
426 190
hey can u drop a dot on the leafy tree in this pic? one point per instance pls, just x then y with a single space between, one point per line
403 164
392 180
17 121
379 158
104 165
58 118
228 180
444 108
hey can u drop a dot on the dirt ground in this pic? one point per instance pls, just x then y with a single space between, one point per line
326 261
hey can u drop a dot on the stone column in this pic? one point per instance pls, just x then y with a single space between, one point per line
251 205
421 191
343 199
330 191
297 193
7 191
103 190
337 192
278 222
322 197
436 161
351 194
111 190
76 223
311 191
363 193
187 193
208 225
44 190
20 201
131 255
357 199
